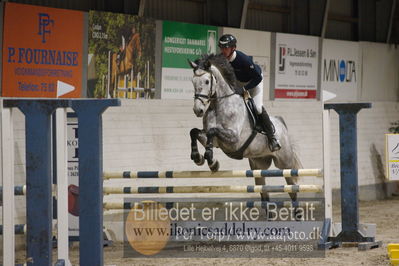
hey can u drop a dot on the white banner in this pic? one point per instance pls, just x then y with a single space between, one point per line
392 156
340 69
177 83
296 66
73 174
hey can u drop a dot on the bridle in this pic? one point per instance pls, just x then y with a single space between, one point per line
212 94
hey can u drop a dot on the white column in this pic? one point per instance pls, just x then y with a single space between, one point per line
326 165
109 76
62 185
7 175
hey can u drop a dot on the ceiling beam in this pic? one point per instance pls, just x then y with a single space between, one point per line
393 8
141 8
325 19
269 8
244 14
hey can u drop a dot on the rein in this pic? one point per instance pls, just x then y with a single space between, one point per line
212 95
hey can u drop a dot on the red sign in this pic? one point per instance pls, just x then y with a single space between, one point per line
293 94
42 52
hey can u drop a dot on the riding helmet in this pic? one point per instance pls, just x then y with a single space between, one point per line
227 40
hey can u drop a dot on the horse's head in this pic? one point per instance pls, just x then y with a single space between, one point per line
203 81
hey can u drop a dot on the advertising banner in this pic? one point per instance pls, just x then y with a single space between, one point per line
392 156
121 60
296 66
182 41
340 69
42 52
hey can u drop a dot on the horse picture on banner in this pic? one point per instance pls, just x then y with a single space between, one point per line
123 49
124 62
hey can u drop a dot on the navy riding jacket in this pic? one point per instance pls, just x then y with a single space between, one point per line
246 70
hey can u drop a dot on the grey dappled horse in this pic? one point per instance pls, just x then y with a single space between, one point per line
226 122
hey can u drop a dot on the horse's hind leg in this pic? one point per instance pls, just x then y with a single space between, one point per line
261 164
282 164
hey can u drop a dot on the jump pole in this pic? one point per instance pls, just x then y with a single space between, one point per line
247 203
219 174
19 229
213 189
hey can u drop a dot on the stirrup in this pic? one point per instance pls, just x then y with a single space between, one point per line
274 144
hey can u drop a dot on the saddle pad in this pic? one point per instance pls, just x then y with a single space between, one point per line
253 117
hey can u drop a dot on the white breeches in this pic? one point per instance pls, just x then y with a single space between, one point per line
257 95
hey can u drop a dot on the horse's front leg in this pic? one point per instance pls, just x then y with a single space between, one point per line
195 135
212 163
226 136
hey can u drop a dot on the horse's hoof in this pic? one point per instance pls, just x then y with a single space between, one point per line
195 156
214 166
200 161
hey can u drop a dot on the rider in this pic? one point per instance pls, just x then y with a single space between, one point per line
250 75
134 41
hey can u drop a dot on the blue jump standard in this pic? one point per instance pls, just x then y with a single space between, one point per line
39 180
349 173
38 175
89 114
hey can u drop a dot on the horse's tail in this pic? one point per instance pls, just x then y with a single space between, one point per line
296 162
282 120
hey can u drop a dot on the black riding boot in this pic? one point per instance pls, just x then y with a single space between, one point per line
268 127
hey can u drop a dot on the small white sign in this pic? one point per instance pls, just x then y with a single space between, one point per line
63 88
73 174
177 84
296 65
392 155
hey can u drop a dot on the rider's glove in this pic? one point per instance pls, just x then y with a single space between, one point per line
240 90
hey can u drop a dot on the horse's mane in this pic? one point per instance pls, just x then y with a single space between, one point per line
221 63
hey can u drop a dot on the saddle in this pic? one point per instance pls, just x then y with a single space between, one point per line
255 122
252 113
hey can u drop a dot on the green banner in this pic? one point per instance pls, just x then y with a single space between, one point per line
182 41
